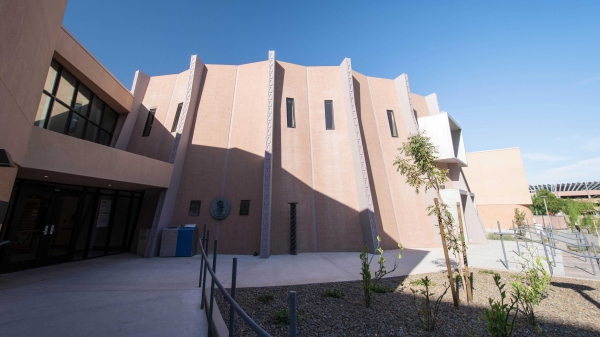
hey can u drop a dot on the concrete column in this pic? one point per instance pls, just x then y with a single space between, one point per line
7 180
403 91
140 84
265 228
167 199
359 163
432 104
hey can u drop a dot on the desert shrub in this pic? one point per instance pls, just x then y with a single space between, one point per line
266 297
380 289
532 285
369 281
494 236
427 307
333 293
500 318
281 317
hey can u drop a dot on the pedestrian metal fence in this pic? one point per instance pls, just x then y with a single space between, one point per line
548 238
206 266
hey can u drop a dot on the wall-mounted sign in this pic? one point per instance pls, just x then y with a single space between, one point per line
219 208
103 213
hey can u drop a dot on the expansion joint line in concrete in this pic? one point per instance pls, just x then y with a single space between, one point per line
265 227
162 131
387 178
312 166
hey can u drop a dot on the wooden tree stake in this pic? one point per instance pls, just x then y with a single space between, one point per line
464 251
450 278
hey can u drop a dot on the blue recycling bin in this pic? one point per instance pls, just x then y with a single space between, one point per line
186 241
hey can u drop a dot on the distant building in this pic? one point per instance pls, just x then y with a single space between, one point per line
497 177
302 156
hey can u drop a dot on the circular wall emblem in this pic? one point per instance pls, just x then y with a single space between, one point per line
219 209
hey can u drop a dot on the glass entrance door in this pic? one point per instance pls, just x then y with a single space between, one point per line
41 231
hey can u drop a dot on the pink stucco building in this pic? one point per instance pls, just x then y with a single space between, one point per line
303 155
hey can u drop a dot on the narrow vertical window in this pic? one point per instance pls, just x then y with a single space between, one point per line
392 122
149 121
329 125
194 208
415 118
176 120
291 113
244 207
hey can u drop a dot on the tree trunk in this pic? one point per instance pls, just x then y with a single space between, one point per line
445 248
467 280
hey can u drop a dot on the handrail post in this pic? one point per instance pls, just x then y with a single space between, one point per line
231 311
292 314
212 289
201 258
516 238
502 241
546 252
206 244
595 254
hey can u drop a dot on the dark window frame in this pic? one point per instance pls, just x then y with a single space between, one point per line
196 212
149 121
84 117
329 116
244 207
392 123
176 119
291 112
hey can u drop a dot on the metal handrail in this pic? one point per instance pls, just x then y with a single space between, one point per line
251 323
5 242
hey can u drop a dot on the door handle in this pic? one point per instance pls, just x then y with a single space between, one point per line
45 230
52 230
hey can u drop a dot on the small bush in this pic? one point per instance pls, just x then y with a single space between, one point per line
333 293
421 282
266 297
486 271
382 289
281 317
428 307
506 237
532 285
500 318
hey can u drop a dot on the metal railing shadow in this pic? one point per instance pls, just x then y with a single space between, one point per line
206 266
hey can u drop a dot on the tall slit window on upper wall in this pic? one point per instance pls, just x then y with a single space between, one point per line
149 122
392 121
329 124
291 113
69 107
176 120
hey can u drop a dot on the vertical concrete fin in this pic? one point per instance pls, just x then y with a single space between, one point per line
361 174
265 228
403 92
166 202
138 90
432 104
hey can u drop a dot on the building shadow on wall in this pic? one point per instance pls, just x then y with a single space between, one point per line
323 224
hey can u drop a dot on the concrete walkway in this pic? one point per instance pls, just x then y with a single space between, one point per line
337 267
125 295
120 295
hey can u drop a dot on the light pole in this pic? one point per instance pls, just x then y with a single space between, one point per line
549 218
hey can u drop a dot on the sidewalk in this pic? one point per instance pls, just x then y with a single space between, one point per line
338 267
125 295
119 295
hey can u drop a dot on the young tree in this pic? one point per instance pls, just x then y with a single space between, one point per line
575 209
416 163
555 204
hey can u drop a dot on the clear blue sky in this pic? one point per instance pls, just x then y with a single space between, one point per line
513 74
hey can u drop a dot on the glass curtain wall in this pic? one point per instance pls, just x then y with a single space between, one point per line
69 107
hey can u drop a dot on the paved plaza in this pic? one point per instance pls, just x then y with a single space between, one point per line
125 295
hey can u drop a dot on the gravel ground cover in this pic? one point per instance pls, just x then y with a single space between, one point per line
571 309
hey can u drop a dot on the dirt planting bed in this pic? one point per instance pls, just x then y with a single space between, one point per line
571 309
